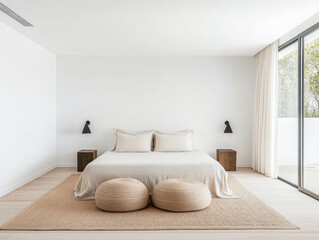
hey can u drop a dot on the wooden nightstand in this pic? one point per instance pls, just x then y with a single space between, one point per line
227 158
85 157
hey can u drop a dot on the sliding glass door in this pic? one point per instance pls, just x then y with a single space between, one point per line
311 113
298 112
288 113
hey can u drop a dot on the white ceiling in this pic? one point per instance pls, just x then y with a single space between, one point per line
158 27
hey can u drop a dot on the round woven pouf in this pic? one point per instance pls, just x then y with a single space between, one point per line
121 195
181 195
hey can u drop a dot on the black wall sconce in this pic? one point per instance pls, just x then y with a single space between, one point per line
86 128
228 128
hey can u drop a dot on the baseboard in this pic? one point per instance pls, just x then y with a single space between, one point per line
243 164
21 183
66 164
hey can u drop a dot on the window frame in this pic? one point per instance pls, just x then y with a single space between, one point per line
300 39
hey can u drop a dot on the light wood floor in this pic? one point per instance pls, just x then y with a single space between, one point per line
311 176
299 208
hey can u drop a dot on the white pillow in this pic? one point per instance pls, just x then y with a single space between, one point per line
174 142
133 142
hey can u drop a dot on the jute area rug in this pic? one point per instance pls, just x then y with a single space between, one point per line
58 210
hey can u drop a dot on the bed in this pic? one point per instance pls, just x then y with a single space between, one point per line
151 168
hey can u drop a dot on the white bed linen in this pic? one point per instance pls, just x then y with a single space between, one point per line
151 168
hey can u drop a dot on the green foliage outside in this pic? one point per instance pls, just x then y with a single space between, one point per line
288 82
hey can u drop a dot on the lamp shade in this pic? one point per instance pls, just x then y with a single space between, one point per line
228 128
86 128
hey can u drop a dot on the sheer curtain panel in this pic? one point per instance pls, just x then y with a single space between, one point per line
264 140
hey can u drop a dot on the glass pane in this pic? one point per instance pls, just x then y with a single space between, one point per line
311 112
288 113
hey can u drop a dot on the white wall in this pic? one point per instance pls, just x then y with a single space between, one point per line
28 110
164 93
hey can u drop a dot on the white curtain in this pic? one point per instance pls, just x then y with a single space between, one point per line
264 140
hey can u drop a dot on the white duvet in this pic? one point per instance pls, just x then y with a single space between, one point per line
151 168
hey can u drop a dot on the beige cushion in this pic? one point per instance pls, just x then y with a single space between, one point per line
174 142
181 195
121 195
133 142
